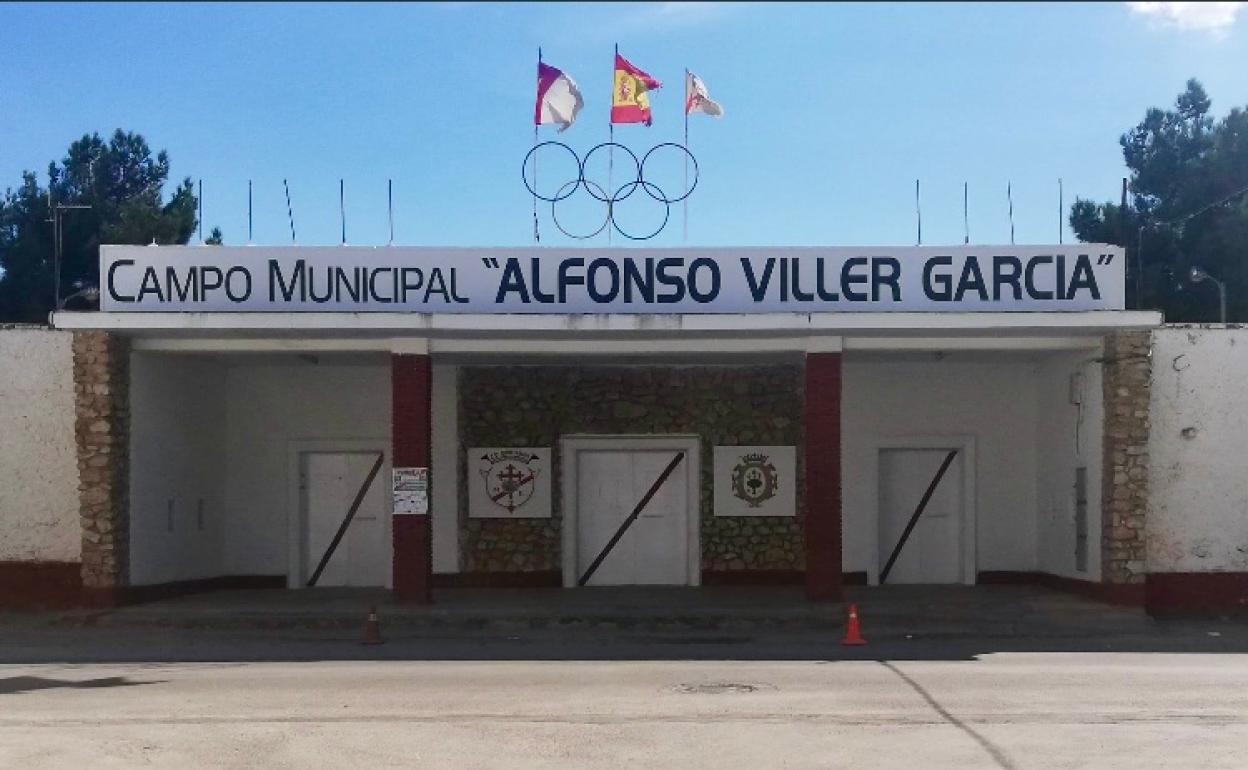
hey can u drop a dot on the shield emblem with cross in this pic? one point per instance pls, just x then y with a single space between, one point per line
508 475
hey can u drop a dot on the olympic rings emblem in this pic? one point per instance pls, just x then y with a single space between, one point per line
595 190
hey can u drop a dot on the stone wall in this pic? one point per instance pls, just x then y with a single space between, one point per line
535 406
1126 384
102 429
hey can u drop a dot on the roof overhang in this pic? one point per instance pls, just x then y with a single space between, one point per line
616 335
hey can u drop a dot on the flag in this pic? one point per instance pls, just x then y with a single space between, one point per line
558 98
697 99
629 102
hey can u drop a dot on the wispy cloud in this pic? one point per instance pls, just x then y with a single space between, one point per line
1213 18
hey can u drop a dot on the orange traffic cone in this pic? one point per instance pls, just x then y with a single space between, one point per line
372 628
853 637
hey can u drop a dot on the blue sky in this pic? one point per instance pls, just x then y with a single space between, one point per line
832 111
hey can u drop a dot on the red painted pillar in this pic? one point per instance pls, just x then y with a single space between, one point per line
823 476
410 378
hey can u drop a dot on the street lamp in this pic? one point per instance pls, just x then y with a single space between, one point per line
89 293
56 217
1198 274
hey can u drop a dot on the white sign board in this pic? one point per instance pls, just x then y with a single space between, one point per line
755 481
411 490
509 483
611 280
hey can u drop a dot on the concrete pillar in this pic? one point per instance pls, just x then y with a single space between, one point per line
102 431
1124 501
411 381
823 476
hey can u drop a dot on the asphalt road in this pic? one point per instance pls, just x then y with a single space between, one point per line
91 698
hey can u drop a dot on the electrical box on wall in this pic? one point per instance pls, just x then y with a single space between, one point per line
1076 388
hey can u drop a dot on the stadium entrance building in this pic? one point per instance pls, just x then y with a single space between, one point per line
411 418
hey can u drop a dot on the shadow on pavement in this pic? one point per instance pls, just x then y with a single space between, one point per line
15 685
899 623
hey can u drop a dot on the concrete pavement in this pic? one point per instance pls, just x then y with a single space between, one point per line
999 710
994 679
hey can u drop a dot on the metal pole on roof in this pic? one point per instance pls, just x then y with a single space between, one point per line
1061 210
918 214
966 222
1009 194
290 214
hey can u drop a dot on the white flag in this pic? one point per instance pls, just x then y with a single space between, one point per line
558 98
697 99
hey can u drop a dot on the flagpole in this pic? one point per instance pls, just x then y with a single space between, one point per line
1009 194
918 215
611 147
685 189
537 237
966 221
1061 225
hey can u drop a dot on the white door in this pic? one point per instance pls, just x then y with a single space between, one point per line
933 552
329 482
654 550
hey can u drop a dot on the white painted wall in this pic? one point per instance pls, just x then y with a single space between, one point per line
1198 450
177 465
38 459
994 402
270 405
1069 436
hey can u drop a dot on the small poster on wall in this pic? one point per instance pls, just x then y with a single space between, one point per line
411 490
509 483
755 481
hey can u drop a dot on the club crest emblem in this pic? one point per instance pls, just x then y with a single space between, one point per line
508 475
754 479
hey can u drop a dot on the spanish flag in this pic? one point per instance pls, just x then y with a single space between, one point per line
629 102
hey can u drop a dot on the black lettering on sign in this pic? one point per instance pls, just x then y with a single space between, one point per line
538 294
757 285
885 271
821 284
238 284
597 268
1006 271
112 281
937 286
276 284
512 281
971 279
1083 278
411 279
697 292
1029 277
567 277
849 278
644 284
674 281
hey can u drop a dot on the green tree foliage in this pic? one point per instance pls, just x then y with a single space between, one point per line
1188 206
124 186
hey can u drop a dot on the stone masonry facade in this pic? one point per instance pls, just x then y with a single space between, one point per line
723 405
102 429
1126 381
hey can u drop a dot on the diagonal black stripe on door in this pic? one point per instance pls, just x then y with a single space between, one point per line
346 522
641 506
914 519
